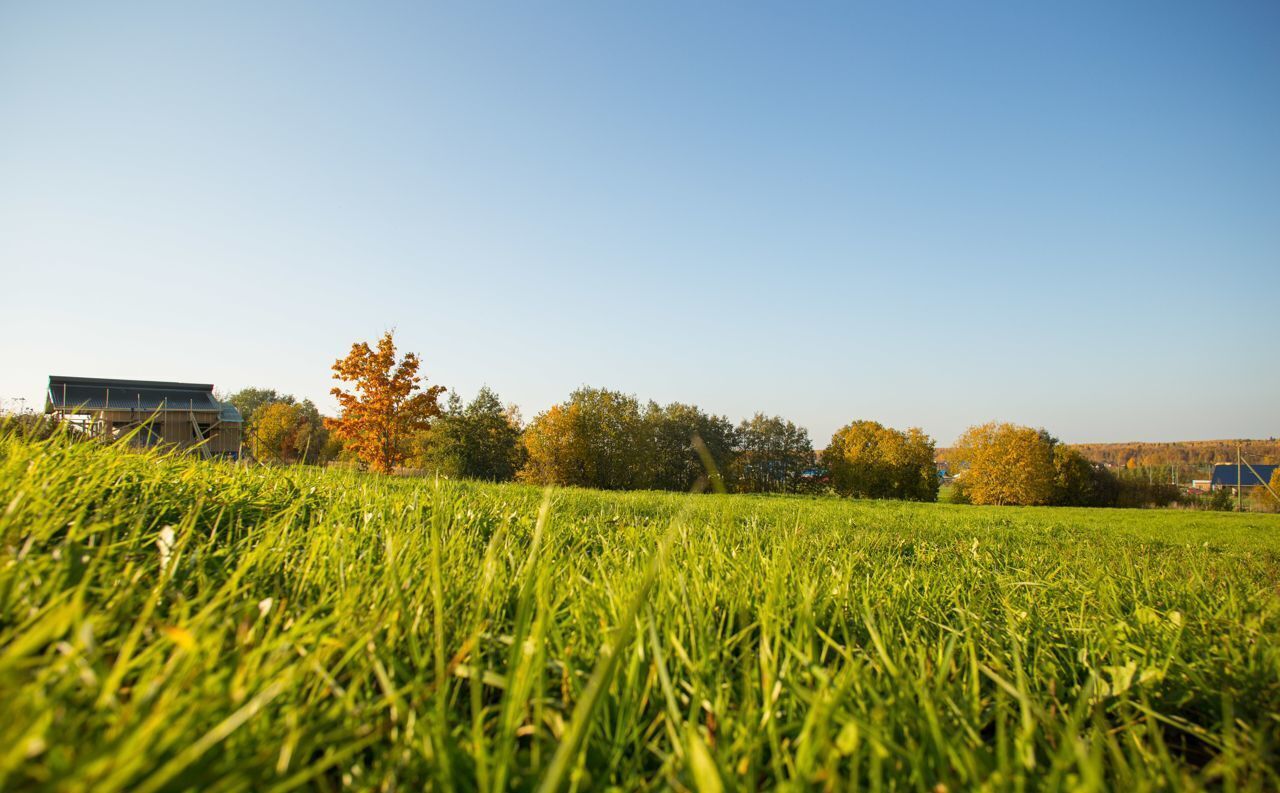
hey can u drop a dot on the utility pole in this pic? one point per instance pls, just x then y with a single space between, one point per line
1239 488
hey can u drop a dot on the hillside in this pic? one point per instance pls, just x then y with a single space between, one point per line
1181 452
1186 454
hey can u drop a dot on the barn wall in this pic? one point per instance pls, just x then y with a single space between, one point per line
226 439
174 427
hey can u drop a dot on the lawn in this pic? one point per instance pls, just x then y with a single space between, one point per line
168 623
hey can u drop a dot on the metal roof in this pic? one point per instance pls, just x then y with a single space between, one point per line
93 393
1225 474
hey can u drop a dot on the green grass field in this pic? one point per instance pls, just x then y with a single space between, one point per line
172 624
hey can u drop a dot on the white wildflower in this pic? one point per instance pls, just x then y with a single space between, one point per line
165 545
264 606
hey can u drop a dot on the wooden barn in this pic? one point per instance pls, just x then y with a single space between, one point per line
147 413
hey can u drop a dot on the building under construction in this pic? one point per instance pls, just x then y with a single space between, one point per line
147 413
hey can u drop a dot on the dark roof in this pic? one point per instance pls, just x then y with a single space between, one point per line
1225 474
150 395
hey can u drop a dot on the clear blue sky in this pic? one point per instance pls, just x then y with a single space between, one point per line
927 214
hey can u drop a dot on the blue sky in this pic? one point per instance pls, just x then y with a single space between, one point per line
925 214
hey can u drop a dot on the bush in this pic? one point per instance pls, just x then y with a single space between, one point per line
1222 500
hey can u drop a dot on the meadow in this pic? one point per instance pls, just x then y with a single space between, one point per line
168 623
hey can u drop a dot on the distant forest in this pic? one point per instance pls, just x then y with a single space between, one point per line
1180 453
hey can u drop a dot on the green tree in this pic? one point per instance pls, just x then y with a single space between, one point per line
770 455
674 460
248 401
479 440
437 449
1077 482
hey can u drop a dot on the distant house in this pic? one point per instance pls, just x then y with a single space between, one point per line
147 413
814 474
1224 476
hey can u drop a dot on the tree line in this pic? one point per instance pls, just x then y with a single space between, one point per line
606 439
1190 454
597 438
1008 464
1194 456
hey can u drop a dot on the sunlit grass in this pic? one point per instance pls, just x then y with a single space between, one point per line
168 623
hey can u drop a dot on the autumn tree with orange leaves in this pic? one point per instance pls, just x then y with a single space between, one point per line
387 405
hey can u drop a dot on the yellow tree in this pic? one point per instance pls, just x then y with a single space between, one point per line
860 459
386 406
1268 498
1005 464
597 438
554 448
280 432
869 460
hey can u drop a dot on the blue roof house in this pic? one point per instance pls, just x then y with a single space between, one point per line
1224 475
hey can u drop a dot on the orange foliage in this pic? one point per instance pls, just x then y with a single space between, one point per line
387 406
